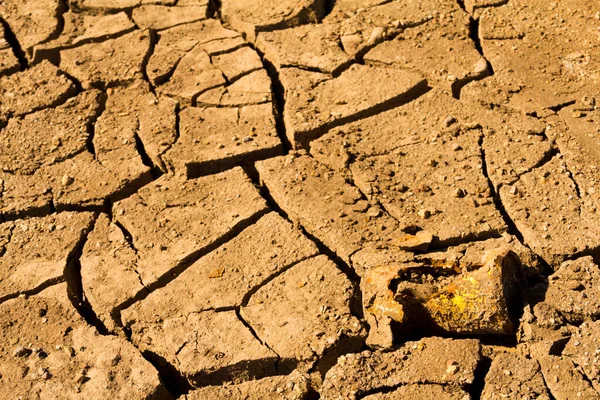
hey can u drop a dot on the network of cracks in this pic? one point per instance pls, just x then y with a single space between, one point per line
349 199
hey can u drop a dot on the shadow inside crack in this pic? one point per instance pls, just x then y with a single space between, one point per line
199 169
408 96
176 384
14 44
483 368
248 369
75 293
344 345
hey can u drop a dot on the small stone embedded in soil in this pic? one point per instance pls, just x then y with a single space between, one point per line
66 180
21 351
216 273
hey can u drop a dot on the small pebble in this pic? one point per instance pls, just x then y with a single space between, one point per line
458 193
66 180
452 367
21 351
376 35
449 121
423 213
481 66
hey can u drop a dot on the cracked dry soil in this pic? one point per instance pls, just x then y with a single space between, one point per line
299 199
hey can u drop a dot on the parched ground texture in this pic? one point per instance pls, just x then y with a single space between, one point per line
299 199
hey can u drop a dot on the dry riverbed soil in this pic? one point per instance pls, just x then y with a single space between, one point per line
300 199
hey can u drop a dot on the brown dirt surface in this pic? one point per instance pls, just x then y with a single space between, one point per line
51 352
299 199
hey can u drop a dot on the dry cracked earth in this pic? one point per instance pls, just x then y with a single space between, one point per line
299 199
